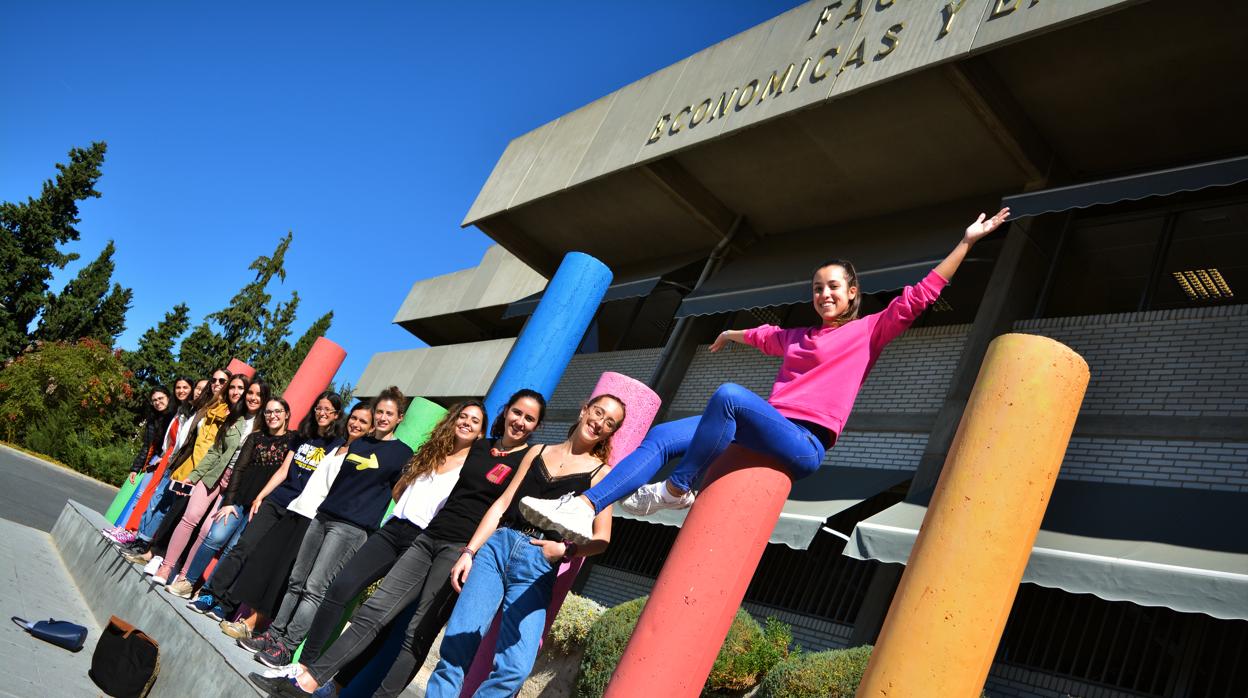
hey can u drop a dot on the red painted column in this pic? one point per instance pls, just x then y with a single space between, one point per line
237 366
704 580
313 377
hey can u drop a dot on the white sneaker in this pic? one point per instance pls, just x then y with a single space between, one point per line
152 565
654 497
290 671
569 515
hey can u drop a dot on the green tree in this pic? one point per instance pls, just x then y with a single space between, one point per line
242 322
153 363
30 236
294 356
87 307
272 358
202 352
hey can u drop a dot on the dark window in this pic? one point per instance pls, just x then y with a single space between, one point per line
1209 249
1104 267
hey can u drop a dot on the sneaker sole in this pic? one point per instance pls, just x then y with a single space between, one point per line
215 616
542 521
264 659
178 594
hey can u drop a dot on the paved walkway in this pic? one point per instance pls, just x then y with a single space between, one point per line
35 585
33 491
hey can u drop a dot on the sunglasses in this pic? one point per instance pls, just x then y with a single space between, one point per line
219 380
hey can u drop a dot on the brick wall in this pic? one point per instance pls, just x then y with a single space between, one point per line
1159 364
1187 362
584 370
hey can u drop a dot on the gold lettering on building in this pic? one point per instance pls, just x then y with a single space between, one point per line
658 128
883 5
825 16
676 125
819 72
800 74
775 85
855 59
947 13
744 100
855 13
890 40
700 113
1002 8
724 103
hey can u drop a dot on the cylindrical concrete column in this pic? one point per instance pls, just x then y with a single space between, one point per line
951 605
554 331
704 580
641 407
313 377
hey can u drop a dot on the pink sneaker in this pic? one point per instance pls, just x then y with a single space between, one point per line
119 535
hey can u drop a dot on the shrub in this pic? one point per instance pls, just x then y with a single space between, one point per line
570 628
831 674
57 437
748 652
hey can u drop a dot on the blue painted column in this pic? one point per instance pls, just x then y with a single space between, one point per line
536 361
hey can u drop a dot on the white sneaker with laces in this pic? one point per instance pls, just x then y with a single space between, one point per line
290 671
152 565
569 515
654 497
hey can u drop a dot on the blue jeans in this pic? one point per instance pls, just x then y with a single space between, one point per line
732 414
220 539
510 571
161 500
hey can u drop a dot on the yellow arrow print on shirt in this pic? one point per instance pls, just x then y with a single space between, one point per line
364 463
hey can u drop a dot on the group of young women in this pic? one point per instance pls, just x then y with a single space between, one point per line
479 524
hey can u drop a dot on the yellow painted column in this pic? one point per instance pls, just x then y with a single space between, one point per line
950 608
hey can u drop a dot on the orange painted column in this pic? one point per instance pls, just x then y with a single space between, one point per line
236 366
951 605
701 587
313 377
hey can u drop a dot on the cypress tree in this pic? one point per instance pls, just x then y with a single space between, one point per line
153 363
87 307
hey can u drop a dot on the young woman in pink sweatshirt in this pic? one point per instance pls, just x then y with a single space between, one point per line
822 370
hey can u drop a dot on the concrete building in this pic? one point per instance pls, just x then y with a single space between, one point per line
874 131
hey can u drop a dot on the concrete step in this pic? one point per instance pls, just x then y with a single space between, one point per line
196 659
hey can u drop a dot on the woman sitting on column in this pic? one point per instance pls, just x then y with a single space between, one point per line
820 375
421 574
320 431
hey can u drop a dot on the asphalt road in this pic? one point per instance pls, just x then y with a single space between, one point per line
32 491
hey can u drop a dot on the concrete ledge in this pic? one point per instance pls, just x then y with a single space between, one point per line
196 659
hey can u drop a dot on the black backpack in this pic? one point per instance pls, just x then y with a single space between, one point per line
125 662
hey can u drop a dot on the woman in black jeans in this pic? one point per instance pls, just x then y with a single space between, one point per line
421 575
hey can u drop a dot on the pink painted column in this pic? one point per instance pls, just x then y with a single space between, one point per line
313 377
237 366
641 406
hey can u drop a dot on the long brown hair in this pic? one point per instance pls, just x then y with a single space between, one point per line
851 281
602 449
437 447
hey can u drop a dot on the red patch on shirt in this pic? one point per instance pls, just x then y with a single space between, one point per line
498 473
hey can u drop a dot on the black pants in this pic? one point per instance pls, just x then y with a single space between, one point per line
421 577
228 567
370 563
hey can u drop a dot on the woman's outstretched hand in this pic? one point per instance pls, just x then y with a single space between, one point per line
720 342
985 225
459 573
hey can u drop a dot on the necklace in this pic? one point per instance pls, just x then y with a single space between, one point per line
499 452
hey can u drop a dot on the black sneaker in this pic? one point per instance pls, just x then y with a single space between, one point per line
275 656
257 643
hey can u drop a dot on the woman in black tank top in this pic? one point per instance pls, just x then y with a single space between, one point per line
511 564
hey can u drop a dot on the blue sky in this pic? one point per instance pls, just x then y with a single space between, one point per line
367 128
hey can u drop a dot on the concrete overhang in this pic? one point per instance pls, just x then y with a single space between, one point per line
459 370
915 106
468 305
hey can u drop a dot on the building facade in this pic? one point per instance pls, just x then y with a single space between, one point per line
875 131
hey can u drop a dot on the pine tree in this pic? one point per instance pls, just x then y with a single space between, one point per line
242 322
272 357
202 352
86 307
153 363
299 352
30 236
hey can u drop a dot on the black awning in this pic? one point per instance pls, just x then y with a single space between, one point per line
737 291
615 292
1218 173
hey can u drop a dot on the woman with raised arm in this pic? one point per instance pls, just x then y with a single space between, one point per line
821 372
